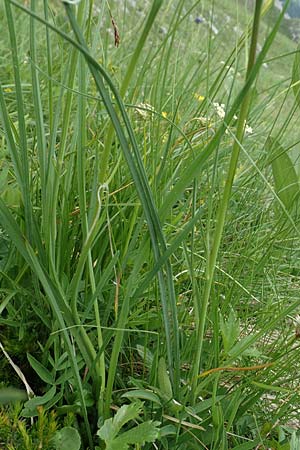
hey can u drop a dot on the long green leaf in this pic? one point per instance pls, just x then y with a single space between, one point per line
193 169
24 169
284 174
137 170
296 76
125 83
41 370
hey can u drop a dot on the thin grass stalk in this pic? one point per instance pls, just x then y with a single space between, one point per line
81 159
223 206
138 173
51 159
125 83
198 162
174 24
49 69
83 340
165 58
186 180
11 145
81 177
25 185
56 166
38 110
174 245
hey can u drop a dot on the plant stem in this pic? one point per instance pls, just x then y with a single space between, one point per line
223 205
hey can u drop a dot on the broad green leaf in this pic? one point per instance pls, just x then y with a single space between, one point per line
107 432
163 379
284 174
55 400
67 438
145 432
230 330
241 346
143 394
30 407
112 426
248 445
41 370
11 394
127 413
167 430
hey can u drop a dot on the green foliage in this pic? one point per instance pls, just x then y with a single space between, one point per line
149 237
164 382
31 407
110 431
230 330
285 176
40 370
296 76
16 434
67 438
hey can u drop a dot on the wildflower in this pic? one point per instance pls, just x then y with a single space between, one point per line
214 29
143 109
7 89
199 97
248 130
199 20
220 109
164 114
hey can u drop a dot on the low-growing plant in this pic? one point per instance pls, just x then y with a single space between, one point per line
16 433
149 227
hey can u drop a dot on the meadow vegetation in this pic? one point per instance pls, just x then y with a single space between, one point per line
149 226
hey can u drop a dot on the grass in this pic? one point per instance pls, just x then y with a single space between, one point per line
149 242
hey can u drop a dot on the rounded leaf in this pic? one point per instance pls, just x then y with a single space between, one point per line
67 438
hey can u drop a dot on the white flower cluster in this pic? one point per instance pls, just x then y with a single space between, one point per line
143 109
248 130
220 109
